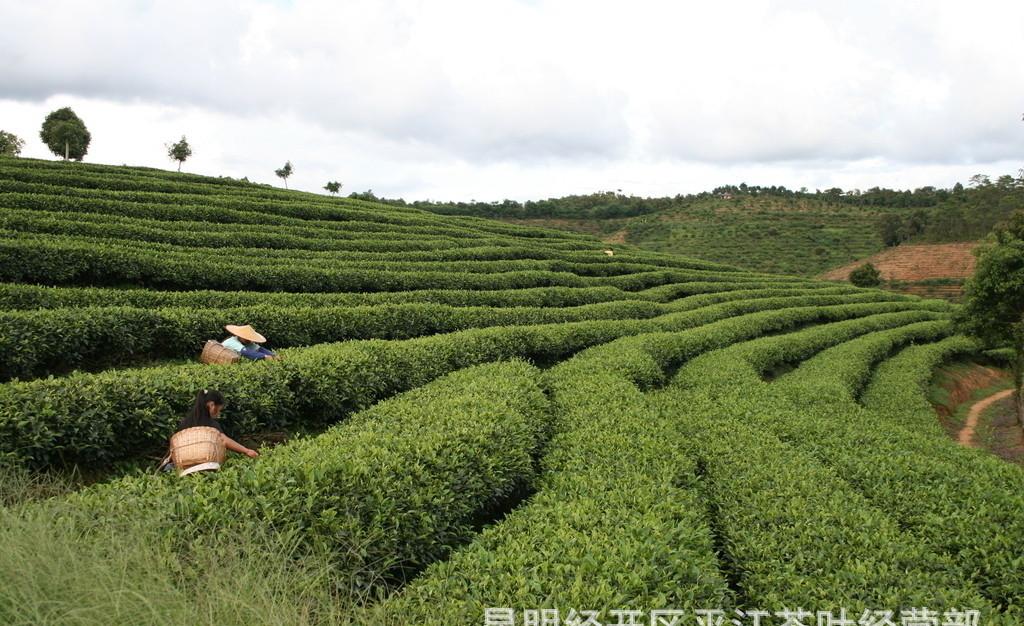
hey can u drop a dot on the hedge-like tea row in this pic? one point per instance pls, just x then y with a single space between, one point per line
476 260
632 505
18 297
746 363
847 367
85 418
291 242
36 343
618 522
46 261
349 248
358 222
42 261
897 388
958 502
349 245
41 177
44 165
82 221
793 532
313 206
283 207
387 492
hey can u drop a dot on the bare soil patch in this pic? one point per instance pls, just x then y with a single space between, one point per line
916 262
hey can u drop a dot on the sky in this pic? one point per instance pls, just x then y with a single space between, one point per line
528 99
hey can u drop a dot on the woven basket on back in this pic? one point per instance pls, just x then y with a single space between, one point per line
198 445
216 354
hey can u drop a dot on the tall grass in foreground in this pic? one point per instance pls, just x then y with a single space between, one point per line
58 566
18 485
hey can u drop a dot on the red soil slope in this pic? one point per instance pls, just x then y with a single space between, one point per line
912 263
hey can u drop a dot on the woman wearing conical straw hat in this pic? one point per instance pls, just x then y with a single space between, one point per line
246 341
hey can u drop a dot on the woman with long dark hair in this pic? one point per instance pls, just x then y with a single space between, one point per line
205 412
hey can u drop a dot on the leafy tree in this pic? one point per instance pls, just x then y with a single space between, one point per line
10 144
890 226
866 275
1006 181
980 180
895 230
284 173
915 224
333 187
993 307
65 134
179 151
366 195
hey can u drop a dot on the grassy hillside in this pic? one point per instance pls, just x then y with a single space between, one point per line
769 229
491 415
804 236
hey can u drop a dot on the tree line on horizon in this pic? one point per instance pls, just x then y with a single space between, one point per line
927 213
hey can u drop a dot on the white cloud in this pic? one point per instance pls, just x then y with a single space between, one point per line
461 99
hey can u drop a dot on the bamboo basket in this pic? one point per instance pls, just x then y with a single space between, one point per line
216 354
197 448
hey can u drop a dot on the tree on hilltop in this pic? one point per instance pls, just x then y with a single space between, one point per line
65 134
179 151
10 144
285 172
333 187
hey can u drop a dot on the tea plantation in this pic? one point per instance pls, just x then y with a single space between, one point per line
483 416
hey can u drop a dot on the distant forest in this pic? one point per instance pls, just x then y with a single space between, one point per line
924 214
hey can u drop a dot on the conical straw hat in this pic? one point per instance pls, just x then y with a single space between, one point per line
245 332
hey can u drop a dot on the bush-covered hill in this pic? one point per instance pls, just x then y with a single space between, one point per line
490 416
771 229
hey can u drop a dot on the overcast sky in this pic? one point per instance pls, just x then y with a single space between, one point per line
532 98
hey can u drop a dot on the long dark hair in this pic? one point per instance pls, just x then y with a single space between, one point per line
199 412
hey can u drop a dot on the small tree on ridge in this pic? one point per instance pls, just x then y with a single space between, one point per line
179 151
65 134
285 172
10 144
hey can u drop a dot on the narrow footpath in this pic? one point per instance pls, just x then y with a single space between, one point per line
966 435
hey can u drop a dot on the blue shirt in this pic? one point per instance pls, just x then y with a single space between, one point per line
234 343
249 350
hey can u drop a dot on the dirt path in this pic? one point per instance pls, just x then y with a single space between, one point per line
966 436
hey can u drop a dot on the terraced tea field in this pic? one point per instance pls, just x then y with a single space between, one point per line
493 417
802 236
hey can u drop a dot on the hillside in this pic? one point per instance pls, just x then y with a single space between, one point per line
802 237
770 229
935 270
491 415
